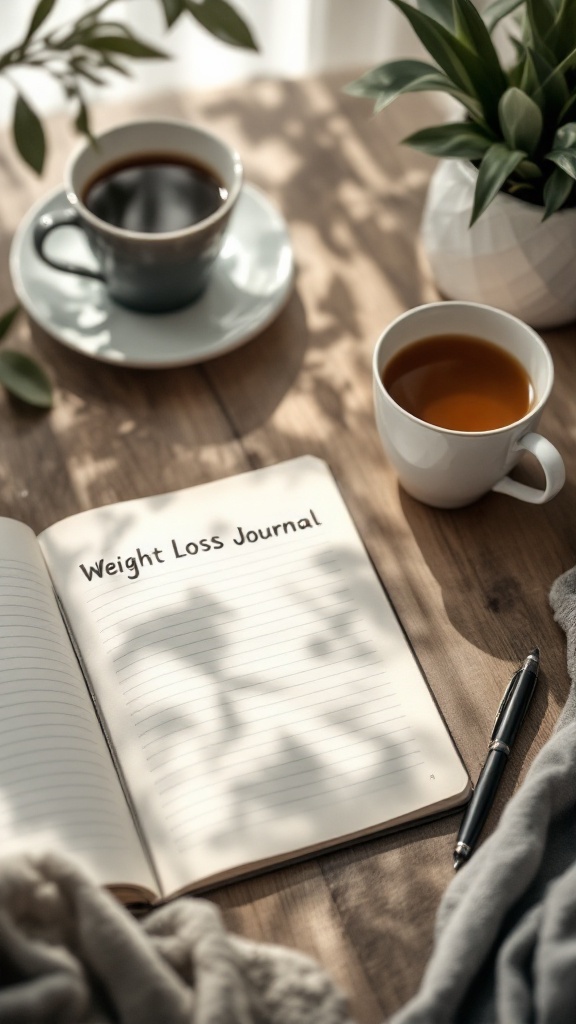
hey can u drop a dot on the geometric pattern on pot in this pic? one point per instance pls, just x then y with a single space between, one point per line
509 258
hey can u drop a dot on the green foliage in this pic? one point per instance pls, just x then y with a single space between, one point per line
219 18
21 375
91 49
519 126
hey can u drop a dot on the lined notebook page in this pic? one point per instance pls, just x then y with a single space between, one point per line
58 787
258 688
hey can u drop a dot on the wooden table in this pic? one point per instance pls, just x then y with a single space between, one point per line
470 587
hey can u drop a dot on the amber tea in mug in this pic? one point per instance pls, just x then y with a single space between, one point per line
491 403
459 382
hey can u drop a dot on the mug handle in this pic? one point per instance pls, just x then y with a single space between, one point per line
552 465
52 221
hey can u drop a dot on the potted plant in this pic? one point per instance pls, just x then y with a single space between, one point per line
499 224
77 53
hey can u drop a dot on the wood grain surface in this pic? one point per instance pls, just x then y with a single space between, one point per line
470 587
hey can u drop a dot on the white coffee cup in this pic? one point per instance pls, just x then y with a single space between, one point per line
451 468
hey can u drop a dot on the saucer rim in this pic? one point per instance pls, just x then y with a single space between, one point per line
217 348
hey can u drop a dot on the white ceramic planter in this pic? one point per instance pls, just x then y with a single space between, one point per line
510 258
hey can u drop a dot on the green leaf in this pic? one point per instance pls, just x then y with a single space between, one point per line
565 137
542 55
568 110
566 64
472 31
82 119
565 159
219 18
7 320
546 84
498 10
91 18
172 10
448 52
564 155
556 191
440 10
530 72
115 65
523 190
25 378
92 25
84 70
463 65
564 32
529 170
28 135
390 80
123 44
41 12
521 120
515 71
467 141
498 163
541 16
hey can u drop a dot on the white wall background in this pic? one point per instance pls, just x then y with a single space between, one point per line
296 37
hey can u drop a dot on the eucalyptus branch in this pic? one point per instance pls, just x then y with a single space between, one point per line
90 48
19 374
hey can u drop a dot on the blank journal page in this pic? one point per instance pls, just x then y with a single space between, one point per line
58 787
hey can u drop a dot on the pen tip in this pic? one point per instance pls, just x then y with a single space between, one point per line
458 861
534 653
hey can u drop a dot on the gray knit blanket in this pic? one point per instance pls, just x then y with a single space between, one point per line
505 947
70 954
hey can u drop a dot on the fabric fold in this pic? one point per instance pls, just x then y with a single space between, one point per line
505 941
70 954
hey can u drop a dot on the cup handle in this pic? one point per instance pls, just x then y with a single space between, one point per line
552 464
50 222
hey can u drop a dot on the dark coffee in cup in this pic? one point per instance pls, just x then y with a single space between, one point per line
155 193
154 200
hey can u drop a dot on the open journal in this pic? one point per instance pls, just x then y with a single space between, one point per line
199 685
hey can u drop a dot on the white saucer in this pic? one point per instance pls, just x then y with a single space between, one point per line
251 281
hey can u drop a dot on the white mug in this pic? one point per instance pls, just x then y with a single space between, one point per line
451 468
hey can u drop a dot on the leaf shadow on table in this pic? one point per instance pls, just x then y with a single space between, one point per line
352 203
343 174
279 345
252 381
176 416
481 556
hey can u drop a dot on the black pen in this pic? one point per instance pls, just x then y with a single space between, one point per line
509 717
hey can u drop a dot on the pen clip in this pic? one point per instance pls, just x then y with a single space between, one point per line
504 702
